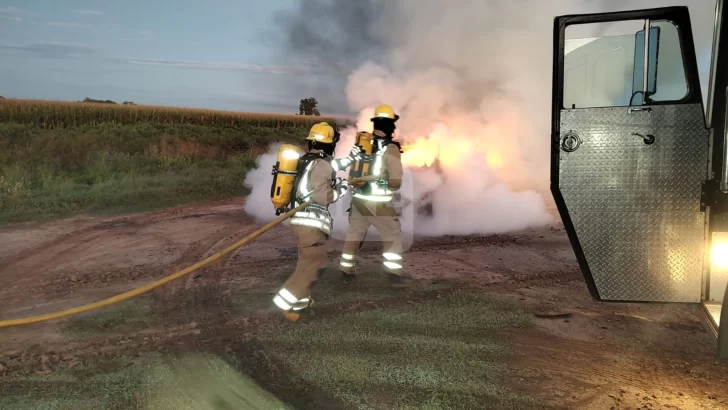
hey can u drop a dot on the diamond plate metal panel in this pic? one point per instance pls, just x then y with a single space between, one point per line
636 207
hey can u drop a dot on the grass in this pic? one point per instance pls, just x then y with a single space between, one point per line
151 382
120 168
96 384
104 187
439 355
205 382
63 158
128 315
436 353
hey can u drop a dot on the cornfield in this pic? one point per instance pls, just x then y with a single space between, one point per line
62 114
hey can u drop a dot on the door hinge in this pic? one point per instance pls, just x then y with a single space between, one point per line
709 194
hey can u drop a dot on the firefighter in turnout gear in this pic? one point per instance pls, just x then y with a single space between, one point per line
315 182
371 202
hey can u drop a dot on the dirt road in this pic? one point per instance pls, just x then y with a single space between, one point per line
596 355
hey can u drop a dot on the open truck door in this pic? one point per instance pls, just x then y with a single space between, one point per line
631 159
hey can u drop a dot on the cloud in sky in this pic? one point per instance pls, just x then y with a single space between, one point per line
11 13
51 49
90 12
11 18
14 13
255 68
67 24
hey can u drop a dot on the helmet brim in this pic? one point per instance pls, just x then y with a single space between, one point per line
396 117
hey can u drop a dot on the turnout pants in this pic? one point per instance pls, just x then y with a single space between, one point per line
385 220
296 291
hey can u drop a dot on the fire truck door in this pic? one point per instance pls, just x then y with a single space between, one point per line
630 152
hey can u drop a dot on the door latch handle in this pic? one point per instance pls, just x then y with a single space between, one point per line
649 139
570 142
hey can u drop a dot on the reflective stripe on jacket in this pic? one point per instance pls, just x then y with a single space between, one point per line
387 163
315 186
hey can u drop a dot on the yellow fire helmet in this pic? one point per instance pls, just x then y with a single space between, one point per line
321 132
385 111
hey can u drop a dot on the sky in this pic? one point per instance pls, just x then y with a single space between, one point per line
219 54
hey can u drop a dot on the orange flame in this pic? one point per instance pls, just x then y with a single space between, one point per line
495 160
420 153
424 152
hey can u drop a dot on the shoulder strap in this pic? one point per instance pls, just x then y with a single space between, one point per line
393 142
303 162
387 141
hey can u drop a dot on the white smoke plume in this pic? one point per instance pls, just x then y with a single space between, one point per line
472 84
259 180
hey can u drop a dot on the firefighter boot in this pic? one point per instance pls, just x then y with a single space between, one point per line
294 314
347 266
347 277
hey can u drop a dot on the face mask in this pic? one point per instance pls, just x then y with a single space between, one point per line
386 127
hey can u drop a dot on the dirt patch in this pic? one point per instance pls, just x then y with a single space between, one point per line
620 356
595 355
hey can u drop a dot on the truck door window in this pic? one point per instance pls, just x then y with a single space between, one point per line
604 68
671 84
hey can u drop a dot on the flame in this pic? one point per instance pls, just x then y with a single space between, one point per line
454 152
495 160
449 150
420 153
464 144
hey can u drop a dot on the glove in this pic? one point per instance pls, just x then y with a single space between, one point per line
341 186
355 153
355 182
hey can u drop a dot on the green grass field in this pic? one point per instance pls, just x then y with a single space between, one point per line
63 158
118 168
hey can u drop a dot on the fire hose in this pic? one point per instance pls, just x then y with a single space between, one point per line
146 288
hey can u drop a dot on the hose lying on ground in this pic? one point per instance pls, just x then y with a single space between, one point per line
146 288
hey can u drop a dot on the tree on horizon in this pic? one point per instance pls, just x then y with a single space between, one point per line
307 106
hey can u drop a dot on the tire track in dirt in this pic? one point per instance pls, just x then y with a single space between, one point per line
207 246
56 266
579 360
79 237
64 284
114 226
28 272
203 249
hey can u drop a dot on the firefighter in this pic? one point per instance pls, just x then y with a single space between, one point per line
372 203
315 182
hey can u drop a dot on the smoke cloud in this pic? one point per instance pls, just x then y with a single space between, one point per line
472 84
